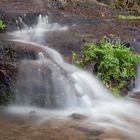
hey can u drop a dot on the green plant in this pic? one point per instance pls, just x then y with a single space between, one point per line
76 59
115 62
2 25
131 5
130 17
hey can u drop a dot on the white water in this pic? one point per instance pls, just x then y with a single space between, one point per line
36 32
74 90
136 89
138 78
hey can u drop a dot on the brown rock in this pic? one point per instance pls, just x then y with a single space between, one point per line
76 116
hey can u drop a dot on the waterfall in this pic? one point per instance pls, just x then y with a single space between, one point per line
137 84
35 32
136 89
51 82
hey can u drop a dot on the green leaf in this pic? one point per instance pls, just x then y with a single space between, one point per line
116 62
2 25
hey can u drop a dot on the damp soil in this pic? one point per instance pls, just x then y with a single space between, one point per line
30 128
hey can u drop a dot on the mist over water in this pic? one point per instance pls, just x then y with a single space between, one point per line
53 84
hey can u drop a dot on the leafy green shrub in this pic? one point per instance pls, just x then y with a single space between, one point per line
115 62
2 25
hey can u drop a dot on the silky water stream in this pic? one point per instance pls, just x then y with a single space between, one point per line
49 85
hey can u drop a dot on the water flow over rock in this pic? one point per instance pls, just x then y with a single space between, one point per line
53 83
43 83
35 32
136 90
137 83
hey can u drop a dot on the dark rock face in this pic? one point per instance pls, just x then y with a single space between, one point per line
10 56
135 45
8 72
8 20
13 21
10 52
56 4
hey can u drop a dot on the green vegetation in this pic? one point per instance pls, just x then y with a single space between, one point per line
115 62
131 5
2 25
128 17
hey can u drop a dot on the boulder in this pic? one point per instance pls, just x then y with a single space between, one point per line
77 116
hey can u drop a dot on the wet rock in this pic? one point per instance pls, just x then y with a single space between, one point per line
8 72
76 116
8 20
14 21
61 4
134 94
135 45
14 51
56 4
92 134
10 56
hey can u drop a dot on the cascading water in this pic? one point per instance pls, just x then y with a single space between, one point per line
35 33
137 80
53 83
136 90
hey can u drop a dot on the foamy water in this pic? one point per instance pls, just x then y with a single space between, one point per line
71 89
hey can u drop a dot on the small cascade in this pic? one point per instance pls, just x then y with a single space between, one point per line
22 22
137 83
136 89
41 56
66 81
35 33
42 83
